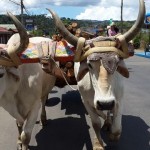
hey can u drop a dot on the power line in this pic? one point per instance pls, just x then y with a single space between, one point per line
26 10
15 2
21 4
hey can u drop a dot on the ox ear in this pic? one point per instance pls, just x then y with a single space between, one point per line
122 69
83 69
13 72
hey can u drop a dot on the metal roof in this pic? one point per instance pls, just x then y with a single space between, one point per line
8 26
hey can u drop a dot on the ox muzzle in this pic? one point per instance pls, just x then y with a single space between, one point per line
105 105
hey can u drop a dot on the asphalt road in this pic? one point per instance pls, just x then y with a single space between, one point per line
69 126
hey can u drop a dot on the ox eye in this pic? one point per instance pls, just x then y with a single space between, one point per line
90 66
1 71
1 75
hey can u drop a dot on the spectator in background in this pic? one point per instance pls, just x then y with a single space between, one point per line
54 37
108 27
112 30
57 37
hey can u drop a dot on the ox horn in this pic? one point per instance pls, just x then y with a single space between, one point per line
62 29
132 32
24 39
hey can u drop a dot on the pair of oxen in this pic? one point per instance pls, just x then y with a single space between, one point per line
99 69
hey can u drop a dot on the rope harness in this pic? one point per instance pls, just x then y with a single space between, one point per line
84 49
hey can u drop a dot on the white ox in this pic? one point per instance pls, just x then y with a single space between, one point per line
100 80
23 86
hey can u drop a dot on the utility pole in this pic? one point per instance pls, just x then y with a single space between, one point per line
22 7
121 16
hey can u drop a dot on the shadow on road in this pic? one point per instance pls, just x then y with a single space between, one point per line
72 133
52 101
62 134
135 135
68 133
71 101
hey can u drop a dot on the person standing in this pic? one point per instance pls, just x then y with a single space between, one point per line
112 30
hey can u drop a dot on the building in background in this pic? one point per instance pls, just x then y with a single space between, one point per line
6 31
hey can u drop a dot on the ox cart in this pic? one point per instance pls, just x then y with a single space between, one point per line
98 66
62 54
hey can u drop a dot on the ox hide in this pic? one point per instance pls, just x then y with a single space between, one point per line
101 86
62 70
21 92
100 90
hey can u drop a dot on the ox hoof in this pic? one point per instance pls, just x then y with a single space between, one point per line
19 146
98 148
114 137
24 148
97 145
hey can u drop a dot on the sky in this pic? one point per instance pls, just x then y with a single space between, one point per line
78 9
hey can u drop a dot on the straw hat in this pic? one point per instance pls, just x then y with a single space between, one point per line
74 25
112 24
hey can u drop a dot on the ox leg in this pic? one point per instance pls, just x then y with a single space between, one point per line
30 122
43 112
43 119
19 142
96 123
116 127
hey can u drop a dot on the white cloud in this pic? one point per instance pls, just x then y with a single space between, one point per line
31 5
5 7
80 3
93 9
104 11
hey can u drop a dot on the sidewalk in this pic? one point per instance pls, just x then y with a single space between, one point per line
141 53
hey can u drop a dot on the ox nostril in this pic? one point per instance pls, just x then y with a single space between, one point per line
1 75
105 105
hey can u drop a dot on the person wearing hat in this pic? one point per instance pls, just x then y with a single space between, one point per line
113 30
